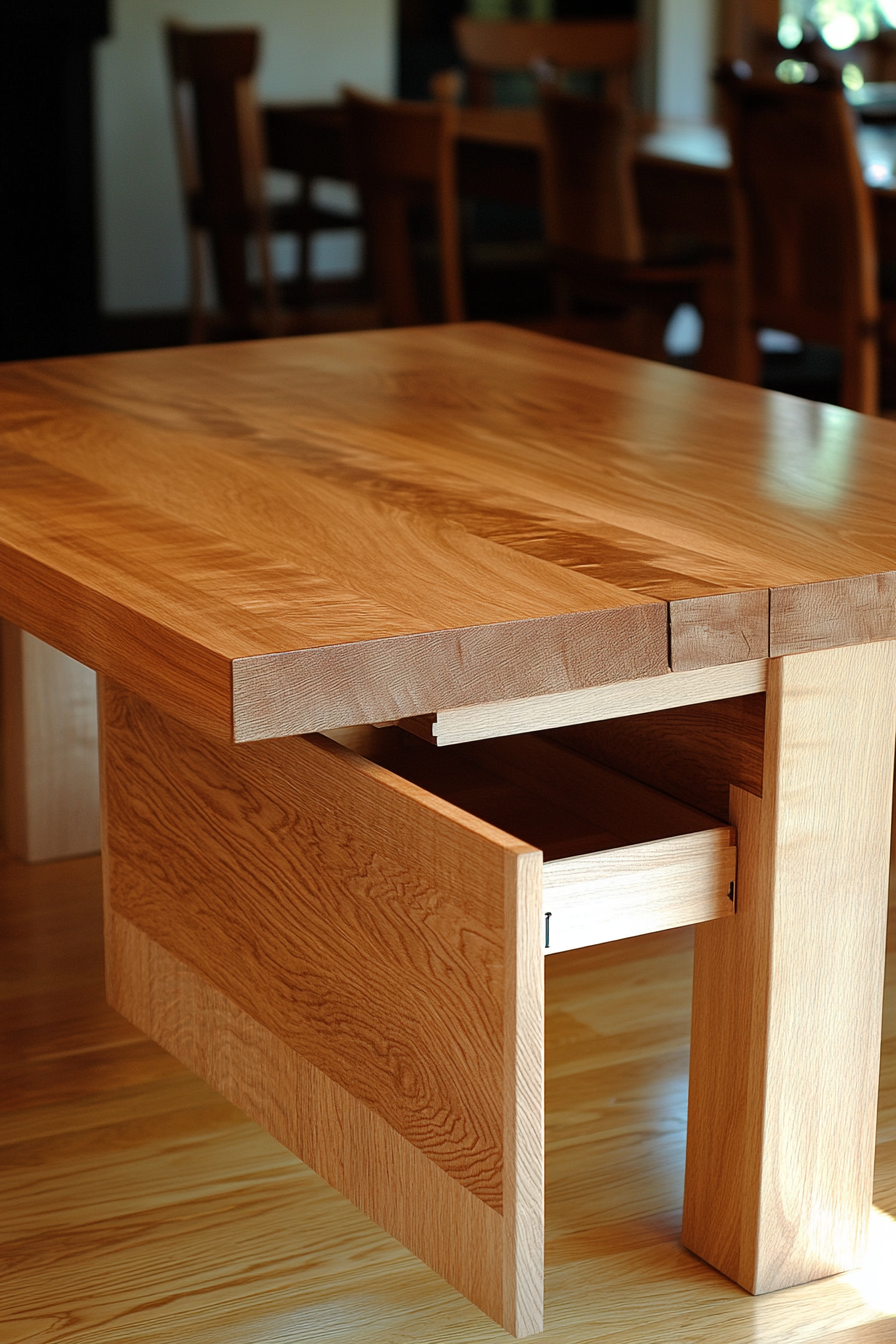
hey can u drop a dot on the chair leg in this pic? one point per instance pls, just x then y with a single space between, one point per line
391 260
859 384
303 242
268 285
229 250
721 335
198 316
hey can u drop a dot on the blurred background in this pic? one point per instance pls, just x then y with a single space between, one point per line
99 247
94 251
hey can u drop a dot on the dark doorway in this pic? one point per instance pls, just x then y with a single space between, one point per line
48 266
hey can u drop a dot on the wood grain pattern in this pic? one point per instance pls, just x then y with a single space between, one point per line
272 873
623 893
139 1207
259 537
50 762
371 1163
825 615
363 924
693 752
530 788
474 723
380 941
621 859
524 1204
787 996
721 628
616 810
277 695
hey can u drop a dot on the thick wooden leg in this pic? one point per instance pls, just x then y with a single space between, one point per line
787 996
354 963
50 761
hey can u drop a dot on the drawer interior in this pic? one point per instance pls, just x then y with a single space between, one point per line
534 789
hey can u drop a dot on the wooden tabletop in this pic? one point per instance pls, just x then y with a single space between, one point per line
280 536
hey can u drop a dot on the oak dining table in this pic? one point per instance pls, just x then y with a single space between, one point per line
425 653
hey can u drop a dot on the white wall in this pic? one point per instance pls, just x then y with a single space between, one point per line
685 57
310 48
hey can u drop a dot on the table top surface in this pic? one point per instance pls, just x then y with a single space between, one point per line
280 536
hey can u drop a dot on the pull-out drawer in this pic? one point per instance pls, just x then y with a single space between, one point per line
346 938
620 858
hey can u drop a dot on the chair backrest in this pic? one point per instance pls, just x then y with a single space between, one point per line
803 217
221 149
490 46
589 191
403 154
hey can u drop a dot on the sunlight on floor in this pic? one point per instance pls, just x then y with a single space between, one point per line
876 1280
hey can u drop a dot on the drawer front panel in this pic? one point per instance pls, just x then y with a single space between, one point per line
621 893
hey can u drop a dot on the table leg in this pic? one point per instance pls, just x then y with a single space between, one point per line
51 789
787 996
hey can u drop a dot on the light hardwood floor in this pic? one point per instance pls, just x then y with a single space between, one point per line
136 1205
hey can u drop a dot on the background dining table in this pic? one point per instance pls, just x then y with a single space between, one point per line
680 167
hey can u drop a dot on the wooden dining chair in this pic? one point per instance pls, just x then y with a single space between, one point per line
549 50
595 243
806 256
222 156
403 157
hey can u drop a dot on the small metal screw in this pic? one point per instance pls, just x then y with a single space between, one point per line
547 929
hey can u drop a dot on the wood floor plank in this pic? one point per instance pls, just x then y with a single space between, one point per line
151 1212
